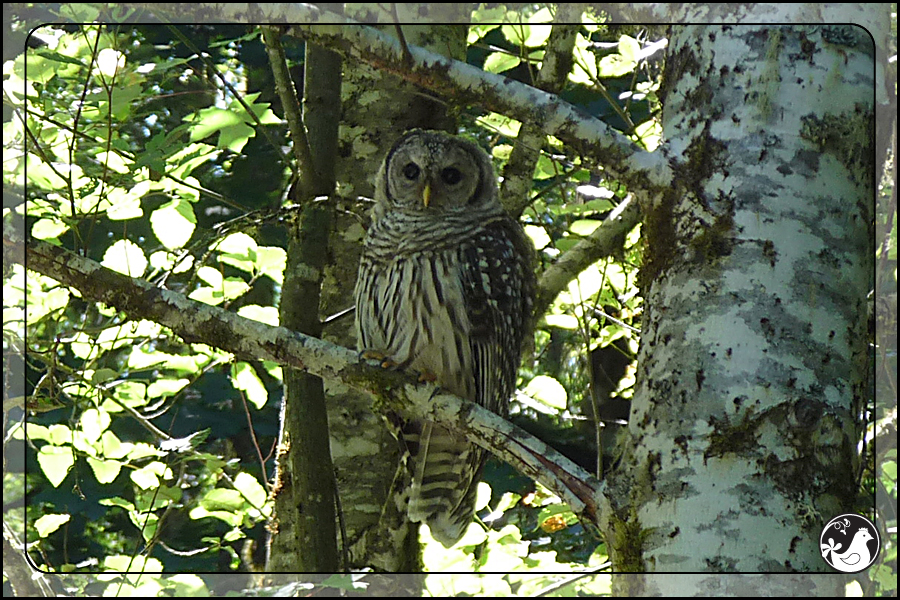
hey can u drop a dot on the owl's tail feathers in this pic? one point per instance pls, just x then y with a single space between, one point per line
446 471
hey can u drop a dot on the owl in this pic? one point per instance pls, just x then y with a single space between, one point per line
445 288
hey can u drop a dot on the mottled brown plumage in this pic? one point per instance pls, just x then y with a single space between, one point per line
445 288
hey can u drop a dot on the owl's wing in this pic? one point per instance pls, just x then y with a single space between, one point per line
498 288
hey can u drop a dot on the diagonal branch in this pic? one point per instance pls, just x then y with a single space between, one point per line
590 137
515 189
604 241
202 323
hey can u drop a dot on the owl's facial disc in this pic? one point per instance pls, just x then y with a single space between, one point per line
443 178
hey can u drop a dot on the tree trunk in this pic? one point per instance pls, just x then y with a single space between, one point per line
744 425
304 530
377 109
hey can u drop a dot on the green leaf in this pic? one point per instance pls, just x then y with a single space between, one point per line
500 124
126 204
251 489
516 33
650 134
187 585
271 261
542 16
545 168
212 120
531 34
235 137
538 236
125 257
629 48
147 477
116 501
240 251
122 100
112 446
614 65
166 386
50 523
59 434
79 13
221 499
132 564
563 321
243 377
548 390
585 227
584 69
476 31
105 471
498 62
93 423
173 223
48 229
55 57
582 288
263 314
55 462
43 176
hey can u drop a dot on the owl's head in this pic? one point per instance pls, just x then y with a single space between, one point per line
433 172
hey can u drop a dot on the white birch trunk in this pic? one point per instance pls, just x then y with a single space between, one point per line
751 370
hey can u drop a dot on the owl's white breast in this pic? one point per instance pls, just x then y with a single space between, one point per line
417 303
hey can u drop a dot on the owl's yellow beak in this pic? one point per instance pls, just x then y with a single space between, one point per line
426 194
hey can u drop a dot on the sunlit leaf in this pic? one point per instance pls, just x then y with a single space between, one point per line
538 236
55 462
243 377
47 524
498 62
585 226
247 485
125 257
173 223
105 471
547 390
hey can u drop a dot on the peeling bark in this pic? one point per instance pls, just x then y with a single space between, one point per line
756 276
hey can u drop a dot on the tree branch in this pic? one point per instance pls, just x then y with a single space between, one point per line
304 169
603 241
590 137
196 322
515 189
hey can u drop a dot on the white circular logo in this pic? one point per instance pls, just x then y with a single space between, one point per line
850 543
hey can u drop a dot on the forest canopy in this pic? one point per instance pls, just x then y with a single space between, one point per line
165 153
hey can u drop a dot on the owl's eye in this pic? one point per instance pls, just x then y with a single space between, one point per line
411 171
451 176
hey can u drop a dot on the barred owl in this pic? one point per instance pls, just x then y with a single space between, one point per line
445 288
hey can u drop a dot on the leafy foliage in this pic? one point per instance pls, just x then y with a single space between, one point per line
130 136
140 147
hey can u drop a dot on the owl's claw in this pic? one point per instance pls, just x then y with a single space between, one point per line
384 361
427 376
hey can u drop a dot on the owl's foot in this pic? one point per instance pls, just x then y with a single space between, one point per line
384 361
426 376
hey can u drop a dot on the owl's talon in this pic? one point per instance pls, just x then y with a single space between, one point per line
427 376
383 360
443 266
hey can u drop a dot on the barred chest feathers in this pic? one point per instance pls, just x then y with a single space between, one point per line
420 326
444 288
